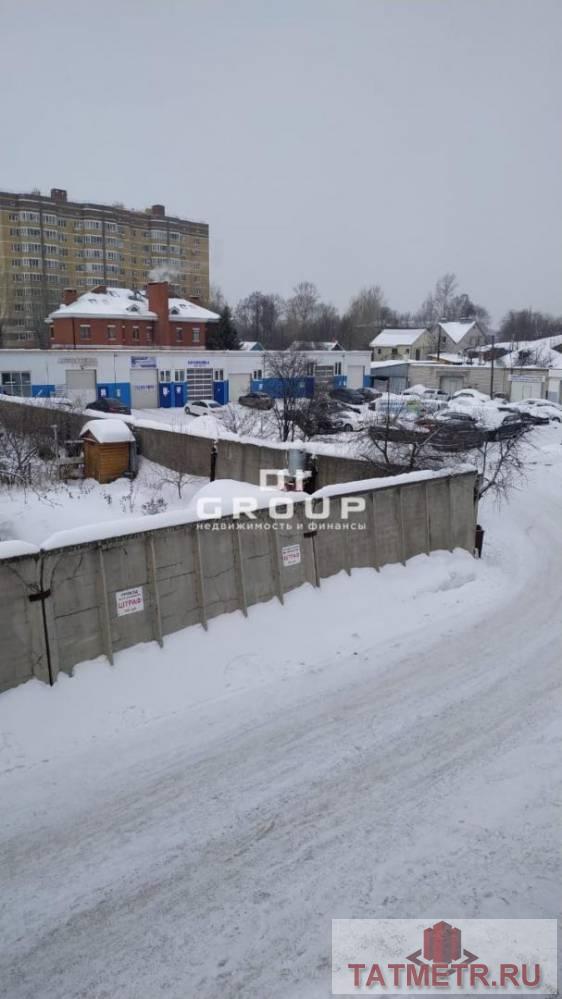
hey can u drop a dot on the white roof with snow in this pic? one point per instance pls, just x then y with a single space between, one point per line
251 345
116 303
108 431
456 331
396 338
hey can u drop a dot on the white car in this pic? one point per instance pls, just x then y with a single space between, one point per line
202 407
472 394
541 407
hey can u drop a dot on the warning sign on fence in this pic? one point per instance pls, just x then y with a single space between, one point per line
291 554
129 601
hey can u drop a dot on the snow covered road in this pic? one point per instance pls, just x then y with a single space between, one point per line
188 823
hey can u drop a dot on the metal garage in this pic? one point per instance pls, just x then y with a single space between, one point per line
451 383
525 387
355 374
81 384
199 383
144 388
238 385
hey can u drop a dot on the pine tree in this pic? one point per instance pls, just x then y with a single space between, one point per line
223 335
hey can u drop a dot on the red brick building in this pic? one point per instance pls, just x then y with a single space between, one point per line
120 318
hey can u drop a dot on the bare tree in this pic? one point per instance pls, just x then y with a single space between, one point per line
395 444
289 370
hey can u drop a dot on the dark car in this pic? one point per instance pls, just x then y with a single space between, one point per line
369 394
529 419
256 400
105 404
350 396
511 426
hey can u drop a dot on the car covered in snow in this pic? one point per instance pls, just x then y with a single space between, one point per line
202 407
542 409
353 397
471 394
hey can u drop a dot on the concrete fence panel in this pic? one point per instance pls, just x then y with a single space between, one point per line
23 652
60 607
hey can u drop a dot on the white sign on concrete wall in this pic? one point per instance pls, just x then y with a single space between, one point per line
291 554
129 601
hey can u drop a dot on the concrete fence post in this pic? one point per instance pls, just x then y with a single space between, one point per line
372 514
427 524
199 577
449 515
401 526
105 608
153 584
276 563
239 568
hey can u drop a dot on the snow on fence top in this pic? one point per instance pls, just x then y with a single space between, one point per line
405 478
223 492
108 431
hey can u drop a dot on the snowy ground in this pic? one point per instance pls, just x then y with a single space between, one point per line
187 823
33 515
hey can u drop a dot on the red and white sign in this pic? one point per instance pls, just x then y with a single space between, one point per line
291 554
129 601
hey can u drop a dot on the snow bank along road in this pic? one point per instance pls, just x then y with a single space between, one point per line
187 823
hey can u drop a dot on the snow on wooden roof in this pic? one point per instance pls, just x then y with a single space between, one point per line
108 431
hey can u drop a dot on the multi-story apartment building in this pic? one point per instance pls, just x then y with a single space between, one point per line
48 243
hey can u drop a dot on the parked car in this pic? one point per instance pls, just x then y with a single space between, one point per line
256 400
351 396
448 418
473 394
369 394
314 423
511 425
106 404
540 407
531 418
438 394
202 407
336 406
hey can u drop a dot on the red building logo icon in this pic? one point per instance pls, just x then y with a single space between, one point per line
442 945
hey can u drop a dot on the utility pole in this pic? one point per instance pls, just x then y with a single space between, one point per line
492 368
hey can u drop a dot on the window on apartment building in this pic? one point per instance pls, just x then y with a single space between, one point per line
111 333
179 334
136 334
196 335
85 332
179 375
218 375
165 376
16 383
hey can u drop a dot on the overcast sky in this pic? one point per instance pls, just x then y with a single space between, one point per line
348 143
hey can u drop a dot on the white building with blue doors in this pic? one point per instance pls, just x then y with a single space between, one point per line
154 378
